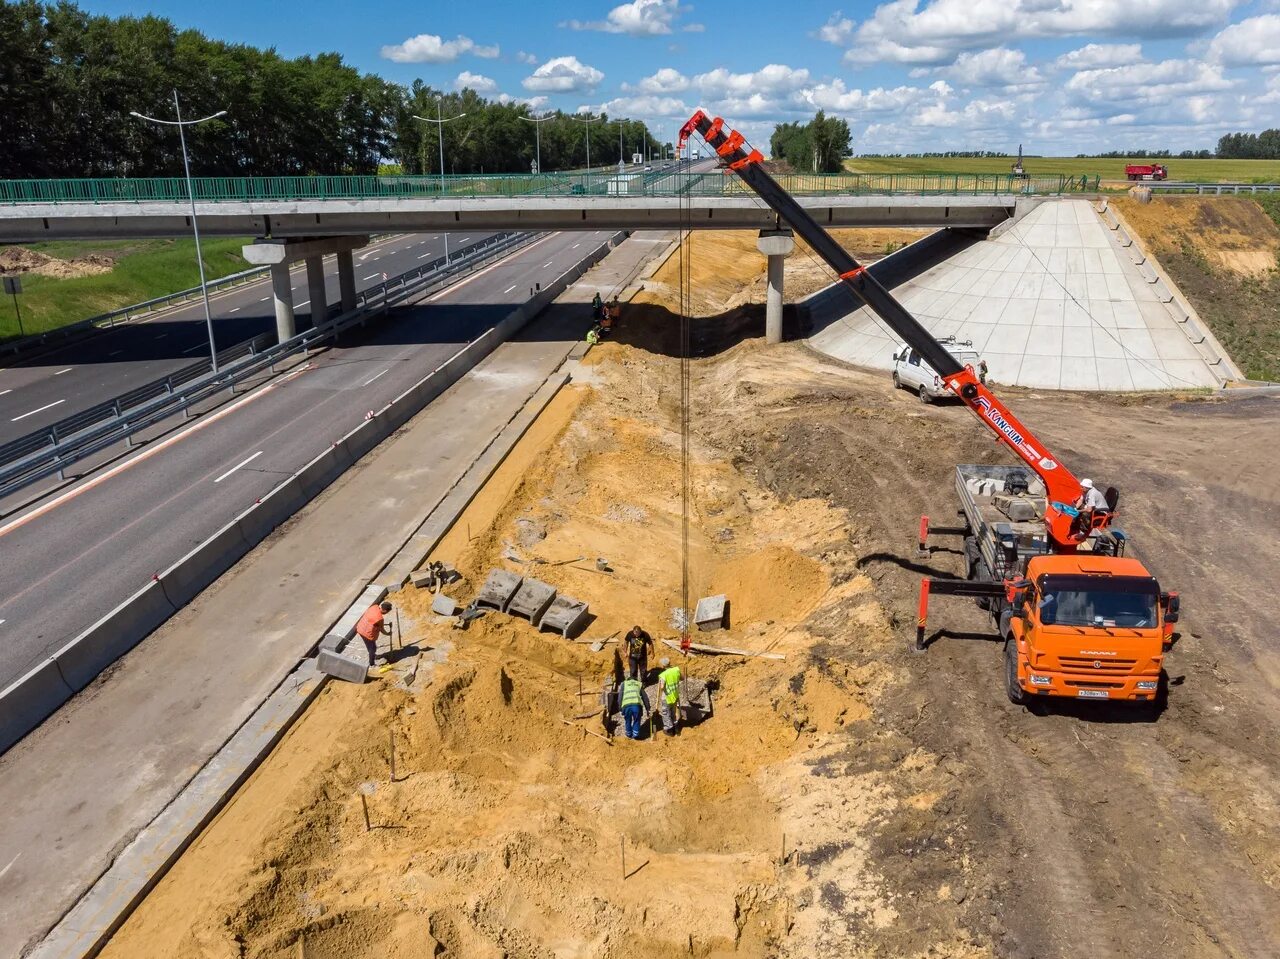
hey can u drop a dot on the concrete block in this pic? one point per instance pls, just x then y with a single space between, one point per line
566 616
444 605
257 522
185 579
1161 291
29 700
712 612
1015 507
322 471
349 668
1110 219
1147 272
82 659
346 624
333 642
531 600
1123 237
499 586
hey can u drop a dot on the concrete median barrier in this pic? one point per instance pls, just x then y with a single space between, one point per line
323 470
183 581
257 522
29 700
82 659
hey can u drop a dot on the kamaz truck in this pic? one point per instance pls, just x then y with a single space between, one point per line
1077 617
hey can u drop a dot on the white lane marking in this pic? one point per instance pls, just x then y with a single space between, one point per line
547 264
150 451
374 377
15 858
236 310
238 465
302 304
116 353
464 239
34 412
575 246
2 393
162 336
424 256
264 299
198 346
372 275
67 370
508 289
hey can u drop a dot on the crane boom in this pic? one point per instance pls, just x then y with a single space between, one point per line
1061 486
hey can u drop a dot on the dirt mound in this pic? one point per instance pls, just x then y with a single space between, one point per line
15 260
1233 233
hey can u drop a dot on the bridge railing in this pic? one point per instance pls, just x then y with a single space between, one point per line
655 183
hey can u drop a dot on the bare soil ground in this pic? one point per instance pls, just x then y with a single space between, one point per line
854 800
17 260
1221 251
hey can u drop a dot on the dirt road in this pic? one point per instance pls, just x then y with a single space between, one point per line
855 799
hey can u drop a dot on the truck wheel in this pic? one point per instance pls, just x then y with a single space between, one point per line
897 383
1017 695
924 396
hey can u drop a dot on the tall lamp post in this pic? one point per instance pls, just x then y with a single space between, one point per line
195 228
589 119
537 132
440 122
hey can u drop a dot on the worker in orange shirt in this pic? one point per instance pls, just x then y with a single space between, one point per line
372 625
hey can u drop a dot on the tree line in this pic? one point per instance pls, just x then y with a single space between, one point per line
69 81
1250 146
819 146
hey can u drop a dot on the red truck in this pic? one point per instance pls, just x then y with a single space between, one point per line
1146 171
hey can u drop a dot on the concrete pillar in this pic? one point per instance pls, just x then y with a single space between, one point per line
282 293
777 246
347 280
315 286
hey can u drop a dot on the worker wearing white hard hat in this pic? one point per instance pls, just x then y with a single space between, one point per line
1091 497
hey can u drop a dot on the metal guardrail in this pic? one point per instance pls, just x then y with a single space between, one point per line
1214 189
110 319
715 183
51 450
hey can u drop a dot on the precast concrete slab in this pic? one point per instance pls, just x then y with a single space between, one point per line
531 600
498 589
1055 301
566 616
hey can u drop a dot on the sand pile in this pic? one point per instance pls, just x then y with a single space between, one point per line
16 260
753 833
1233 233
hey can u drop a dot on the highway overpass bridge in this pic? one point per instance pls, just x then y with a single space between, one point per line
293 207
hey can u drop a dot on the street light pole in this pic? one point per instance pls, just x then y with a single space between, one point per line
440 122
191 196
588 121
537 132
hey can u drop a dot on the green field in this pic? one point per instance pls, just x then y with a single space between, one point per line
144 270
1207 171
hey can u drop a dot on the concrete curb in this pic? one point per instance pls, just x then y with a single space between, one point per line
119 631
89 924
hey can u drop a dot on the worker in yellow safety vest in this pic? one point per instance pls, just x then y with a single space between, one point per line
634 704
669 681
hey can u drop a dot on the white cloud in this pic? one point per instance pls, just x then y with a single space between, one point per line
474 81
770 80
429 48
528 58
640 18
1093 55
533 103
1253 41
563 75
837 30
996 67
836 98
904 31
646 106
666 80
1148 83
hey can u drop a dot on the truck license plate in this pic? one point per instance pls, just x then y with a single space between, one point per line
1093 694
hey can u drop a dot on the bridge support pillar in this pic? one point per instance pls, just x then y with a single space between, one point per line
315 287
282 293
777 246
347 280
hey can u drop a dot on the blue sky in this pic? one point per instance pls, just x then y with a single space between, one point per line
1058 76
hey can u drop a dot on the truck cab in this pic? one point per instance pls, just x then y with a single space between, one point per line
1079 628
913 373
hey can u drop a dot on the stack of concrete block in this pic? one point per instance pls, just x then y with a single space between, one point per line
566 616
499 588
335 657
531 600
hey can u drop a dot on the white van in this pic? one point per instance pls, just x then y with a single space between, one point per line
911 372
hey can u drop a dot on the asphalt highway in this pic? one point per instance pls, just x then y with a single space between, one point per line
42 391
73 558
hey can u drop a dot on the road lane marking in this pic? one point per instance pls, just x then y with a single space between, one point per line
575 246
236 310
508 289
198 346
2 393
116 353
162 336
238 465
34 412
547 264
374 377
67 370
207 420
302 304
264 299
464 239
372 275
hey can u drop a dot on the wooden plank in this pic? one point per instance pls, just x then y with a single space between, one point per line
721 650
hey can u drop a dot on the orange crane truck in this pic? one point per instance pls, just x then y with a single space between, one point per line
1077 617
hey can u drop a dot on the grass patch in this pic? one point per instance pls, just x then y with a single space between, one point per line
144 269
1207 171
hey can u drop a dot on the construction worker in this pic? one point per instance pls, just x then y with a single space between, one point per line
634 704
1092 498
639 645
593 336
372 625
669 681
597 308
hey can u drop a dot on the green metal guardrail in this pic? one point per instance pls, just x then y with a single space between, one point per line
716 183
